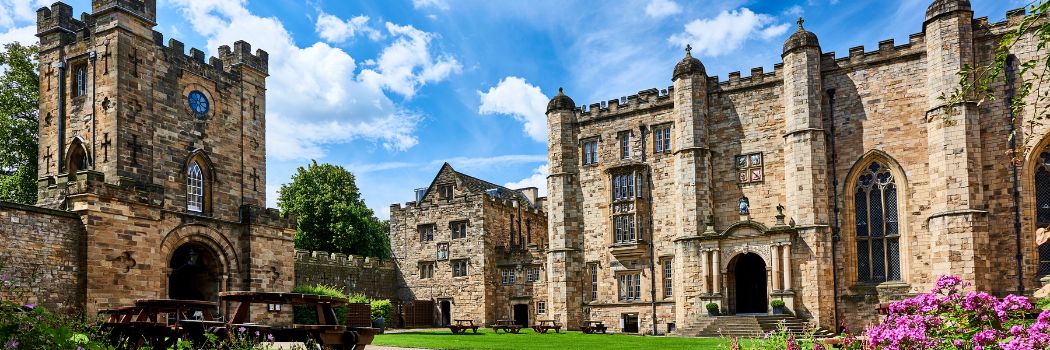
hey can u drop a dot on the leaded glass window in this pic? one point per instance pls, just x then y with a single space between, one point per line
877 226
594 282
80 81
662 139
194 188
625 144
1042 207
630 287
625 229
590 152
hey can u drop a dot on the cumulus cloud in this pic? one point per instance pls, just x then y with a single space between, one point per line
335 30
662 8
407 63
18 20
314 97
726 32
438 4
515 97
538 179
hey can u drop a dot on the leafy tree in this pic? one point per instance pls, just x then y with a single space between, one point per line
330 213
19 97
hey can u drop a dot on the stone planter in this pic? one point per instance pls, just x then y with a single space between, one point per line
379 323
779 310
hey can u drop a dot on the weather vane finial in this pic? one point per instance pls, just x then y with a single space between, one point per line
688 50
800 21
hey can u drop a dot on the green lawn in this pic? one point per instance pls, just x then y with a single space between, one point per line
528 339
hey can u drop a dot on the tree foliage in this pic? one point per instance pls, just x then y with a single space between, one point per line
19 97
330 213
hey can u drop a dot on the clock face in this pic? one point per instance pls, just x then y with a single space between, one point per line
198 103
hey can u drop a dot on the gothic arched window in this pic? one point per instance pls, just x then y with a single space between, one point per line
878 231
80 81
1042 207
194 188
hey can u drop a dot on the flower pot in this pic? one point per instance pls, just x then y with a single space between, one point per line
712 312
779 310
380 323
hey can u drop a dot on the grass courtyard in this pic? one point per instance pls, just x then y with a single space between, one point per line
528 339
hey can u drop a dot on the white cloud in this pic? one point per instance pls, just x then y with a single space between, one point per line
538 179
794 11
515 97
662 8
727 32
335 30
463 163
24 35
407 64
18 20
314 97
438 4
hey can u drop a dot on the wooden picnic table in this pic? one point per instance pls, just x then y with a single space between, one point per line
328 332
507 326
545 325
462 326
134 326
177 308
122 314
593 327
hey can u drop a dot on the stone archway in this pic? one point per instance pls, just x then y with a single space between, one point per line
196 273
214 254
747 286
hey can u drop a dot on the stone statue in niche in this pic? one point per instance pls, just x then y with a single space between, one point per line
745 206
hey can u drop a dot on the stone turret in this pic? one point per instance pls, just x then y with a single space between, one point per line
954 148
806 178
145 10
692 181
565 260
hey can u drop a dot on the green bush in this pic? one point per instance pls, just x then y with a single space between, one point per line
381 308
712 307
777 303
359 298
308 314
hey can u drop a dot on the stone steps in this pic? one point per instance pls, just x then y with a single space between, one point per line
747 326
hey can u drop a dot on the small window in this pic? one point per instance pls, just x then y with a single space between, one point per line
80 81
590 152
445 192
630 286
442 251
426 232
426 270
662 138
594 282
532 274
750 168
194 188
625 144
198 103
459 268
541 307
459 229
508 276
668 278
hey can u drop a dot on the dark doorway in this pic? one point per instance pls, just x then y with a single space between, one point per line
446 313
750 276
78 159
194 274
521 314
630 323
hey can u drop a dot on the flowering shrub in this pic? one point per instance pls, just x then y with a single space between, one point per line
946 318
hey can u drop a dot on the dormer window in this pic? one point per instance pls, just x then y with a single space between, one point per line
445 192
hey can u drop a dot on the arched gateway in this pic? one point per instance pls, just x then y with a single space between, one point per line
196 273
748 286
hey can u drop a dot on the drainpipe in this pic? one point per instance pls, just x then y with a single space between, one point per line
92 56
649 225
60 139
1010 93
835 228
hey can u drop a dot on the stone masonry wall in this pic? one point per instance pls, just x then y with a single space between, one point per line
43 256
354 274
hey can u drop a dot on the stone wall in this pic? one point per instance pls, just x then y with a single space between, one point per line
354 274
43 256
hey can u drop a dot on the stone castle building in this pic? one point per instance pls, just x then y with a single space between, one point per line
881 186
152 168
471 249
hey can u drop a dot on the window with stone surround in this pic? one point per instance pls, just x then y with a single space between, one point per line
662 138
459 229
194 187
624 221
624 229
1042 207
426 232
668 278
590 151
594 281
624 138
541 307
630 286
426 270
750 168
507 276
877 228
532 274
442 251
459 268
445 192
625 186
80 80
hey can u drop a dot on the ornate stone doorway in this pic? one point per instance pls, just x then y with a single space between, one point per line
195 273
748 294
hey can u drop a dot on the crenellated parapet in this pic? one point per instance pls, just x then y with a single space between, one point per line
642 101
55 26
242 55
256 215
342 260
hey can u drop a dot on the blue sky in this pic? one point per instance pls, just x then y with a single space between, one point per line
391 89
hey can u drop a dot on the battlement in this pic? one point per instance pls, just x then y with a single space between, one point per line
735 81
143 9
341 260
56 25
242 55
643 100
888 50
266 216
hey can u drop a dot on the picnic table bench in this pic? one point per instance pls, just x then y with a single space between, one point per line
507 326
593 327
545 325
328 332
134 326
462 326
